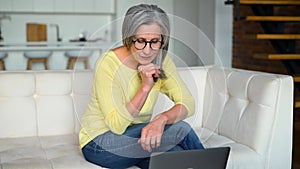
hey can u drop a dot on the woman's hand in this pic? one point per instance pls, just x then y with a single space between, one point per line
152 133
147 73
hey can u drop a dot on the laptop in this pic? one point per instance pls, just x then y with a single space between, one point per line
210 158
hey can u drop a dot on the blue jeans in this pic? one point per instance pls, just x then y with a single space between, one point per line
122 151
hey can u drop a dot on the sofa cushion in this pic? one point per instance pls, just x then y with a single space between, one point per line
18 117
240 155
56 115
82 88
52 84
48 152
17 84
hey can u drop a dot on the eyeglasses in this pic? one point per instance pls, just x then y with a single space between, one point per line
140 44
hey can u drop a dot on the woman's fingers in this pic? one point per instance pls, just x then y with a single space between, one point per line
149 70
158 141
153 142
145 143
149 143
151 135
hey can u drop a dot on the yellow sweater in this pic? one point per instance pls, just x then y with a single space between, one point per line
115 85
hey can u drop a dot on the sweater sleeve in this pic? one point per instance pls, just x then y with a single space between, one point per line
175 88
110 98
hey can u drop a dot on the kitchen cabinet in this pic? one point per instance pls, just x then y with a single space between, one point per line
94 6
5 5
83 6
22 5
43 5
58 6
63 6
107 6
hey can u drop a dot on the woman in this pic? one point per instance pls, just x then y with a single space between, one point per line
116 128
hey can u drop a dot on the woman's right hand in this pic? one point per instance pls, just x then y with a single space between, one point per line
147 73
152 133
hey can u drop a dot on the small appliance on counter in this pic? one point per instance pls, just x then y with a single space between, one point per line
82 37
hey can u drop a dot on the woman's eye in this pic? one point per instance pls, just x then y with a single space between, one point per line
154 40
140 40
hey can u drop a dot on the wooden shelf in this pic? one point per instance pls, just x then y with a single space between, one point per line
277 56
296 78
297 98
274 18
270 2
297 104
279 36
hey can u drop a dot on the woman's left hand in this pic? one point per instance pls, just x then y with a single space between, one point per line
147 72
152 133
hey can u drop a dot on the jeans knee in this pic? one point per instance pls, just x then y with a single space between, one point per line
179 130
184 126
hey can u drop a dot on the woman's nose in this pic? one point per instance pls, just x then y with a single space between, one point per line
147 49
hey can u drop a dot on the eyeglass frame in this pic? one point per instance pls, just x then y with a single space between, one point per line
150 43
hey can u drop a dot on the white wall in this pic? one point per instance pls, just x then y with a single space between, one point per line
215 20
185 32
223 33
208 25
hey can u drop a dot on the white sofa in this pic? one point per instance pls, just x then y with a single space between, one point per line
251 112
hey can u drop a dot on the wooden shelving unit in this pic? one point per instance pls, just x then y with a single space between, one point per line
277 56
278 36
269 2
285 44
274 18
273 26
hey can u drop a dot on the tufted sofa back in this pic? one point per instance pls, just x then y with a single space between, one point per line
42 103
251 108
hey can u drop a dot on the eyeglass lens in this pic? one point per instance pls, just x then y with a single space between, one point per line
140 44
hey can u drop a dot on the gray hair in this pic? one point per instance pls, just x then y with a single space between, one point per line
146 14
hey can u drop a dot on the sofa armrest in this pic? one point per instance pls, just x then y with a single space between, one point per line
252 108
280 151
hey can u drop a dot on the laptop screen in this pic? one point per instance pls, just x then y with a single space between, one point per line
210 158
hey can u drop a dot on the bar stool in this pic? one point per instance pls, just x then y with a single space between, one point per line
3 55
78 56
37 56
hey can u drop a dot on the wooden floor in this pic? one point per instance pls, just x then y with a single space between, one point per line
296 140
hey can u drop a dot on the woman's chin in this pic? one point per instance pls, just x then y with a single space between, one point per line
145 62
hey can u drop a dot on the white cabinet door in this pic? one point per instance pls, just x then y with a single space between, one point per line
43 5
5 5
59 6
83 6
22 5
94 6
63 6
104 6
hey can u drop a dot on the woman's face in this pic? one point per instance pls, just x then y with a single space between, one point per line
146 43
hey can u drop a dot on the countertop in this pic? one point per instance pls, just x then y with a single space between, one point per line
53 46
